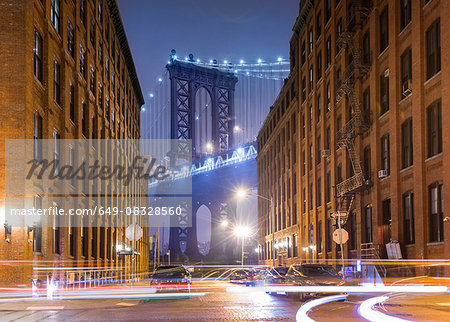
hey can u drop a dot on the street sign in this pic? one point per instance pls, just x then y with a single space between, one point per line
344 236
137 233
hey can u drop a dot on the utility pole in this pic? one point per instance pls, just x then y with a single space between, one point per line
272 210
341 245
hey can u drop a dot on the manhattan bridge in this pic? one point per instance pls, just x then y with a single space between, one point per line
218 107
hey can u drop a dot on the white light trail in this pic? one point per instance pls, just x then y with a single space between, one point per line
366 311
302 313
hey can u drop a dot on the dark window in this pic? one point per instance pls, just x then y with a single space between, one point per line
338 34
303 57
434 125
304 201
327 10
436 207
328 49
328 139
310 40
311 196
406 73
37 55
310 156
303 126
384 93
385 154
82 62
328 96
56 151
408 217
303 163
319 237
56 234
368 224
70 39
84 119
37 137
329 235
407 146
319 24
319 66
72 103
319 108
387 221
339 174
303 89
366 105
328 187
92 32
54 14
384 29
353 237
37 227
57 82
294 245
433 36
405 13
83 11
92 80
311 78
100 52
100 11
318 156
367 166
366 49
319 193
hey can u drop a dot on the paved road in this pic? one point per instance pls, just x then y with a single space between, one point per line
216 305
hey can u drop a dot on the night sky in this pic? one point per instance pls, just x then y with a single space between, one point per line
210 29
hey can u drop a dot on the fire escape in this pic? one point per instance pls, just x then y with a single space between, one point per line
357 68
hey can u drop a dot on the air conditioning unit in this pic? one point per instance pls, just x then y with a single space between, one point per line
382 174
386 72
407 87
325 153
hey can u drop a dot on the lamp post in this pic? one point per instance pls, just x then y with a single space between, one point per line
242 232
241 194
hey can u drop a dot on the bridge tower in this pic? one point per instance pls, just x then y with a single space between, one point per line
201 106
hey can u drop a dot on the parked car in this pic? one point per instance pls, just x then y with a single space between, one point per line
313 275
170 275
241 276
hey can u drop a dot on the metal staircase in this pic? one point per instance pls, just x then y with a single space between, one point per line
356 69
370 253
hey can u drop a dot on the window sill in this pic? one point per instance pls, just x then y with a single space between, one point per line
431 78
404 28
435 243
406 169
383 52
434 157
383 115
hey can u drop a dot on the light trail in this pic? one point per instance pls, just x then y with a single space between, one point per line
302 313
367 312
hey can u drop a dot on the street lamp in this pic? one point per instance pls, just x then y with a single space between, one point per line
209 147
242 231
224 223
241 193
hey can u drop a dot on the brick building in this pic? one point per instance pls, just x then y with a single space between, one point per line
365 134
67 73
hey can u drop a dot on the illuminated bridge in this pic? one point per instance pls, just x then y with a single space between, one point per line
218 108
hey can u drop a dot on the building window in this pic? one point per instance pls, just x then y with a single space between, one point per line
310 117
406 73
319 237
304 201
37 137
319 192
328 187
100 52
83 11
310 40
310 156
319 150
327 10
303 126
433 37
405 13
319 25
384 29
368 224
37 227
82 62
56 234
303 49
328 52
353 236
84 119
434 127
311 77
338 34
328 139
56 151
92 80
56 82
72 102
55 14
407 146
92 32
319 108
303 89
100 11
367 166
408 217
319 66
385 154
366 105
37 55
366 49
339 173
303 163
328 97
294 246
384 93
436 207
70 39
311 196
329 235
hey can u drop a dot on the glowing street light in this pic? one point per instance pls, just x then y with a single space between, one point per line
280 59
160 79
242 232
151 95
209 147
237 129
242 193
241 61
224 223
259 60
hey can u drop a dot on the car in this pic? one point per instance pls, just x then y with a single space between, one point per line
170 275
313 275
